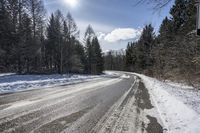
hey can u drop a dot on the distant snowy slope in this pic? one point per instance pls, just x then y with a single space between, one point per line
15 83
178 107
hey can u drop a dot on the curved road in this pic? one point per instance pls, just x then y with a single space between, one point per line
73 108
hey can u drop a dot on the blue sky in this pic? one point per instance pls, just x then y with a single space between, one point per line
115 21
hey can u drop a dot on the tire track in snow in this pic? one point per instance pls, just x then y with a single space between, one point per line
30 113
116 118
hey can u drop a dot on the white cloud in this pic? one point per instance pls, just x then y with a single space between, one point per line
100 35
98 27
122 34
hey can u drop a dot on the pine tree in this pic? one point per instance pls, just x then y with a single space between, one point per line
59 42
97 58
80 57
89 34
50 43
25 47
94 57
145 46
165 50
131 56
177 45
112 59
54 44
70 34
36 11
89 54
191 15
21 34
108 61
179 15
139 55
5 36
37 14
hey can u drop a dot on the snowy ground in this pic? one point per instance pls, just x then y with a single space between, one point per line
72 108
6 74
13 83
178 105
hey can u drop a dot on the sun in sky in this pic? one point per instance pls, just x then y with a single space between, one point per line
72 3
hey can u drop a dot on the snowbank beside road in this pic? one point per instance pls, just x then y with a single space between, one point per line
14 83
179 85
178 108
6 74
187 94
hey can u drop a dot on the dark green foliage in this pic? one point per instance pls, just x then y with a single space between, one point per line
97 58
27 46
54 43
177 42
79 61
114 60
139 55
175 52
179 15
94 57
131 56
5 36
21 32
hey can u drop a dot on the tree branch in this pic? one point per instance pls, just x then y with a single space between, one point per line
158 4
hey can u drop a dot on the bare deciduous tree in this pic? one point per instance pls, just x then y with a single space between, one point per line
157 4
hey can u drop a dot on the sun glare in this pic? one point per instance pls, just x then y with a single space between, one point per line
72 3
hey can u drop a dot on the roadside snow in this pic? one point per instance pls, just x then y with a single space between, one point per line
14 83
179 85
6 74
124 76
187 94
179 108
112 73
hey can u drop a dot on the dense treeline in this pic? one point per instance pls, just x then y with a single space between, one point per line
175 52
30 43
115 60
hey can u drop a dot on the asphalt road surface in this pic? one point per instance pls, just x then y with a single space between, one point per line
75 108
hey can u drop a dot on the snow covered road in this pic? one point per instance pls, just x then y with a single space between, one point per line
117 103
62 108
